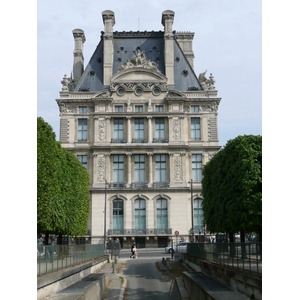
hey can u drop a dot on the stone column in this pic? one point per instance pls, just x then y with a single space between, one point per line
128 130
109 129
96 129
170 129
128 154
150 184
149 130
95 155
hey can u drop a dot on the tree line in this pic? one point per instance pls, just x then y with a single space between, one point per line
232 188
62 187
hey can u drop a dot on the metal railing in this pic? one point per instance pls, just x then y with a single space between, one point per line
242 256
139 141
160 184
58 257
160 140
142 232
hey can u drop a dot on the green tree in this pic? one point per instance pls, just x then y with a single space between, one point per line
62 187
232 187
47 182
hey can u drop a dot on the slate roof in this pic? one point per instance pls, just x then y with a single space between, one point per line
125 44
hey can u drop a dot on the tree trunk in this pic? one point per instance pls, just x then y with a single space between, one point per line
59 242
47 238
243 247
231 244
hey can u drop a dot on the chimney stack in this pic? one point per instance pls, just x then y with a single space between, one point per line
78 65
167 21
108 17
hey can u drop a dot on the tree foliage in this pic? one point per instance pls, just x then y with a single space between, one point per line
62 187
232 187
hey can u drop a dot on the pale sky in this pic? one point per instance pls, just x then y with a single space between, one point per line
37 50
227 43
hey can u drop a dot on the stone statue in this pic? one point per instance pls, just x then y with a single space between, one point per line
65 82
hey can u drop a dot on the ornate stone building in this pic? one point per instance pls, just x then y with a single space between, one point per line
143 124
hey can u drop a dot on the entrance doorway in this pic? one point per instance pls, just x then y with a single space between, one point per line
162 242
140 242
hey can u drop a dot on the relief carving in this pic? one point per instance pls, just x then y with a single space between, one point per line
102 130
176 129
177 169
68 109
101 169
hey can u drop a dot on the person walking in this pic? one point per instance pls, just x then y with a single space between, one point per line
133 249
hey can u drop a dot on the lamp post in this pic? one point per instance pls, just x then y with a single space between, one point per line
105 216
192 207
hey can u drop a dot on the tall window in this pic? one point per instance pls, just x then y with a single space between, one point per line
198 214
138 108
139 168
118 128
118 214
160 168
82 130
162 214
83 160
159 128
118 168
140 214
139 128
196 167
195 129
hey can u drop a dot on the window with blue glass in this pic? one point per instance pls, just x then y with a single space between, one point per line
159 128
197 167
83 160
118 214
138 108
139 168
82 109
198 214
82 130
195 129
118 108
140 214
139 128
162 214
160 168
118 128
118 168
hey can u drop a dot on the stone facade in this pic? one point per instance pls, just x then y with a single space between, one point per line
143 124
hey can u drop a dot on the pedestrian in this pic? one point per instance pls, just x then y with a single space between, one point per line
133 250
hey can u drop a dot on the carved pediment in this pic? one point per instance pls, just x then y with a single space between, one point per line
175 95
105 94
138 70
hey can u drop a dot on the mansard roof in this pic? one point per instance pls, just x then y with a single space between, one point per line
125 46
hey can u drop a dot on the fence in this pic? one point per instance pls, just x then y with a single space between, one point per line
54 258
243 256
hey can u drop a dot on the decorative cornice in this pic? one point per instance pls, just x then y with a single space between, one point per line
138 34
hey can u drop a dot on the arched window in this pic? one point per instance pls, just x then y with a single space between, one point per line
162 215
118 215
140 215
198 214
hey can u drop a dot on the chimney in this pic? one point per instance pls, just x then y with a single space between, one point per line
167 21
78 65
108 17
